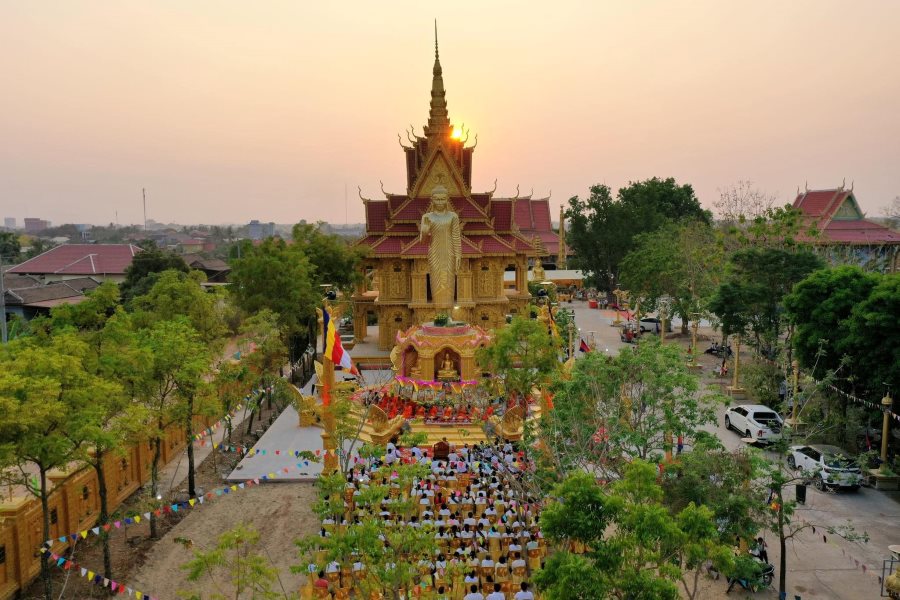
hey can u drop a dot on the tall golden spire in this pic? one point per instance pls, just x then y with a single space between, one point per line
438 118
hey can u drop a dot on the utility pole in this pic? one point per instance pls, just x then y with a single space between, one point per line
144 194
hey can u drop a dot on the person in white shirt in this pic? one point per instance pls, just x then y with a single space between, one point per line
524 594
497 594
474 594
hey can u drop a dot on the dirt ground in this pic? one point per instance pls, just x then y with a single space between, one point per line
279 511
132 547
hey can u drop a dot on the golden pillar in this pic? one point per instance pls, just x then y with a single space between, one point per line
794 420
695 324
735 389
886 403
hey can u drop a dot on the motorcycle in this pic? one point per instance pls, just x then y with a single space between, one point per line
720 350
762 578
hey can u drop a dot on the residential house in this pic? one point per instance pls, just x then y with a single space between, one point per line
102 262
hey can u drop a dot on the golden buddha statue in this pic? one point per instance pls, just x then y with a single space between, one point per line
441 224
538 272
448 370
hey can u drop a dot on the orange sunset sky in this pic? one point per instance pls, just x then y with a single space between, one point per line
233 110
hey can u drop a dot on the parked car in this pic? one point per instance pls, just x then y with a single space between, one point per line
759 423
829 466
653 325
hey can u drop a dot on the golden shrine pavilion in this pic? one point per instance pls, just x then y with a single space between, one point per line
441 247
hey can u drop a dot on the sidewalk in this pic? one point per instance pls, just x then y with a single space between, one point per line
174 475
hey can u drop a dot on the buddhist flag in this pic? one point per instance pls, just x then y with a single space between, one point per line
333 348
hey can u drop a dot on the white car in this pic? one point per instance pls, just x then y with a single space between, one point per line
653 325
754 421
829 466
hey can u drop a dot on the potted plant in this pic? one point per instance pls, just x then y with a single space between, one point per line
441 320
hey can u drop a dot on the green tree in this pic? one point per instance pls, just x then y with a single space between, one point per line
110 423
820 307
43 384
279 277
335 261
522 355
872 341
719 480
680 260
10 248
634 547
752 295
175 293
602 229
139 276
178 360
612 408
236 561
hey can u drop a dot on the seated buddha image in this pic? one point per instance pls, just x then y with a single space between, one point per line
447 370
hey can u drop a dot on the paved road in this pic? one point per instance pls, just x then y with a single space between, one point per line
818 567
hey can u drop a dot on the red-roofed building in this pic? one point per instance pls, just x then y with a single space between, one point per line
497 235
845 235
102 262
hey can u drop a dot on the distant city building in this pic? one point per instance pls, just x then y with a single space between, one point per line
9 223
102 262
260 231
33 225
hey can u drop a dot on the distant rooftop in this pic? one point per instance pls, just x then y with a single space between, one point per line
80 259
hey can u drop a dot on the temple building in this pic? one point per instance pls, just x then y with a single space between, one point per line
441 247
845 236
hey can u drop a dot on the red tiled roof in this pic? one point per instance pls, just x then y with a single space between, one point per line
376 214
468 247
403 228
540 212
80 259
414 210
388 245
481 200
417 248
394 201
491 244
502 213
523 214
859 232
466 209
820 203
369 240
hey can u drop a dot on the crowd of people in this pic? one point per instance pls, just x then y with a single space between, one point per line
486 528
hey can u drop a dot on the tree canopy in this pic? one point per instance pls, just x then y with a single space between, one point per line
335 261
139 274
277 277
522 354
602 229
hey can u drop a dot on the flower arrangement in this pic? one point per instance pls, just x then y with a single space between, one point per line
441 319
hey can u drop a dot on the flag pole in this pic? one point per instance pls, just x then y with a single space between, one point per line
329 446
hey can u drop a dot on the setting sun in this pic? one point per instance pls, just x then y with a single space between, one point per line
457 133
